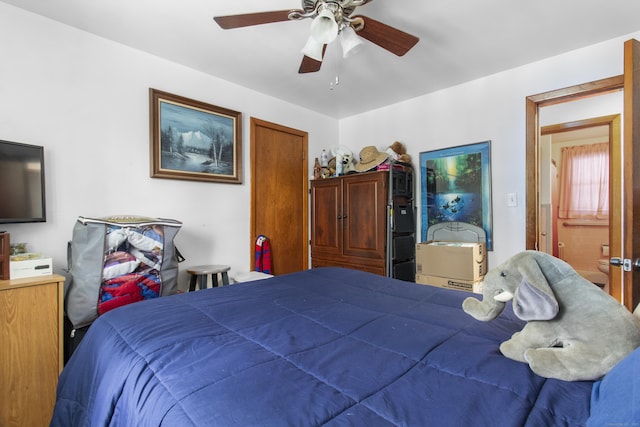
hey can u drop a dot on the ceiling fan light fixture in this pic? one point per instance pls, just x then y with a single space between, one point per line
349 41
324 28
313 49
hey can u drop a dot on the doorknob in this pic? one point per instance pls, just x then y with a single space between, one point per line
626 264
617 262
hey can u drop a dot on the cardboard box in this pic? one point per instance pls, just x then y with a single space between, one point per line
29 265
455 260
443 282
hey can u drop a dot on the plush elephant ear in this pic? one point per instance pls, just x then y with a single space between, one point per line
534 299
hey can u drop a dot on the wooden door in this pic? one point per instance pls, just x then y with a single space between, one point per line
364 215
631 247
326 217
279 194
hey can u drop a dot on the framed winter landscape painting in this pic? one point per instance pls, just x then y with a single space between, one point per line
193 140
456 187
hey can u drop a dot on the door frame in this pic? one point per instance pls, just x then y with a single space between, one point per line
572 93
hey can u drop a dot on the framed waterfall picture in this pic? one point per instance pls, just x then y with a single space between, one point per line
456 186
193 140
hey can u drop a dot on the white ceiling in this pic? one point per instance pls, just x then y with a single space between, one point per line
460 40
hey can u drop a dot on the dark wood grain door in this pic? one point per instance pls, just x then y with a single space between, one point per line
326 217
364 215
631 274
279 194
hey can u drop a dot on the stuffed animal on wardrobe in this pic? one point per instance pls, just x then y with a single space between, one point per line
343 160
398 152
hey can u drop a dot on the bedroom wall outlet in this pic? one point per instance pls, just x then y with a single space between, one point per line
512 199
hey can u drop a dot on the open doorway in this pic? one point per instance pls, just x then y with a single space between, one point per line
574 194
566 110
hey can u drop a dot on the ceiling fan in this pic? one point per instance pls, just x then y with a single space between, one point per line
330 19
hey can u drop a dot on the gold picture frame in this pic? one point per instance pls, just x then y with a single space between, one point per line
193 140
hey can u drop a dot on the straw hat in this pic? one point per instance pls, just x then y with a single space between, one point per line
370 157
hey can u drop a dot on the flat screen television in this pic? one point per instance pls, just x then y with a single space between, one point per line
22 194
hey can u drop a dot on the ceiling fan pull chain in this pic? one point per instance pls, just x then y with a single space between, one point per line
336 81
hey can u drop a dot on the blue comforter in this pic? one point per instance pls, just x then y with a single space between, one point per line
326 346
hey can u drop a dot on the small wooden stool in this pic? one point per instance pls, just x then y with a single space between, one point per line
199 275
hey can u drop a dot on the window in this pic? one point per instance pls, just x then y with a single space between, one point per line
584 182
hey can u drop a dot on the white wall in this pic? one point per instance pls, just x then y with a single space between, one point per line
491 108
86 100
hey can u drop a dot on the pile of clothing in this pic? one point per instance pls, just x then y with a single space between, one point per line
131 266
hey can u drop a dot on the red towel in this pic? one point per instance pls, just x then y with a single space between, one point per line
263 254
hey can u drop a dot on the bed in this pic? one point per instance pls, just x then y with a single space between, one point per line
327 346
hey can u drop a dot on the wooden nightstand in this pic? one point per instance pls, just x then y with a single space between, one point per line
31 351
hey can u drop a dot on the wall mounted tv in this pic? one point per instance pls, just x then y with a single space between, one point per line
22 196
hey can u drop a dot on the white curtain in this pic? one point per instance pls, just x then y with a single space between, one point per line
584 182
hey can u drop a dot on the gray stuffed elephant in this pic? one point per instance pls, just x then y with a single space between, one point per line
574 330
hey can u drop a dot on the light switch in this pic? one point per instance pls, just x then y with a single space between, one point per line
512 199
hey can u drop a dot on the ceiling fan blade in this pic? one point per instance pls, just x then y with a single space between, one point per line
310 65
387 37
248 19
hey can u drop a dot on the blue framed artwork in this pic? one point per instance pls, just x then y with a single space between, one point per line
193 140
456 186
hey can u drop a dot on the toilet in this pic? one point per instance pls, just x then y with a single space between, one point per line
603 265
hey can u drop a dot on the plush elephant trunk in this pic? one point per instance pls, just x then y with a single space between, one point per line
485 310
